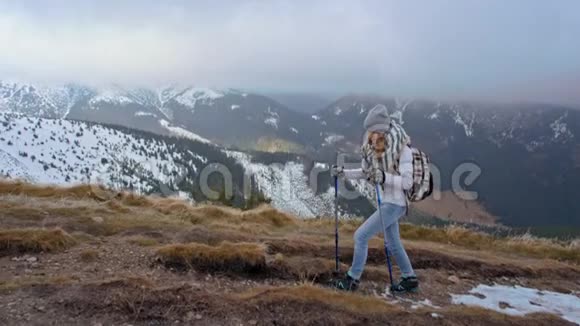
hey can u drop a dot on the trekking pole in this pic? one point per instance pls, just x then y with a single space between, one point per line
384 236
336 223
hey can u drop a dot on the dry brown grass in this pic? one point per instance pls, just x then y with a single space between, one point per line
526 245
89 255
14 284
377 311
263 215
351 302
44 191
303 268
34 240
237 257
82 208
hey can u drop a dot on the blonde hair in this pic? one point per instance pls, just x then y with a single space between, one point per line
369 141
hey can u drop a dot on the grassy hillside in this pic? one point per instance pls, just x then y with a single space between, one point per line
86 255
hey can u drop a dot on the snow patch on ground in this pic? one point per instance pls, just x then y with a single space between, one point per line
519 301
426 303
234 107
294 130
315 117
180 132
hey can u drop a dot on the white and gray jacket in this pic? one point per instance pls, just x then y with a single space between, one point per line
395 185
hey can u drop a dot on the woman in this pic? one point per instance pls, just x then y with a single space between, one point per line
387 161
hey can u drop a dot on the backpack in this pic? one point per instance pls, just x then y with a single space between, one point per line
422 177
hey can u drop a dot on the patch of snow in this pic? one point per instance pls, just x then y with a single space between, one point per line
14 168
467 125
180 132
337 110
426 303
322 166
145 114
186 196
272 118
113 96
315 117
272 113
234 107
522 301
533 145
272 121
287 186
294 130
333 138
191 96
401 108
560 128
434 115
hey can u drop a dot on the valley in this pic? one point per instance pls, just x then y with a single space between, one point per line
525 152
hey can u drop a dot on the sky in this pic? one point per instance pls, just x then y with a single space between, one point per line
522 50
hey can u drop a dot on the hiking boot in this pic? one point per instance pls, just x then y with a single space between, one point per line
347 284
407 284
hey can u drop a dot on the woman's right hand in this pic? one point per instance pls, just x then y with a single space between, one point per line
337 171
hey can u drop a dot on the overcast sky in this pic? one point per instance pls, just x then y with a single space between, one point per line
497 49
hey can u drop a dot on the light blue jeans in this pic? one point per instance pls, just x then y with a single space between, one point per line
391 214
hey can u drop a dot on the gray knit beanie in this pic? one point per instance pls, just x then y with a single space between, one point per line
377 119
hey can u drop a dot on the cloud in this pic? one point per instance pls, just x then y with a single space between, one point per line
414 48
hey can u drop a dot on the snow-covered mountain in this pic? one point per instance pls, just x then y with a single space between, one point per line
529 154
59 151
41 101
225 116
532 126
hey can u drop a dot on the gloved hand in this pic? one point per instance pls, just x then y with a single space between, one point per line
376 176
337 171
